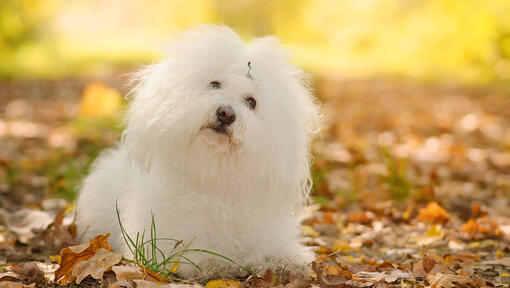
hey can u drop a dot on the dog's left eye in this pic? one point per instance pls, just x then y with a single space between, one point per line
251 102
215 85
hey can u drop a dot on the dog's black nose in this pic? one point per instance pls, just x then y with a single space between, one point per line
226 115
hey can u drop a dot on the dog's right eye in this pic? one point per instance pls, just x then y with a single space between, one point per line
215 85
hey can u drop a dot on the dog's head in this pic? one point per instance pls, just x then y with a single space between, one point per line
215 108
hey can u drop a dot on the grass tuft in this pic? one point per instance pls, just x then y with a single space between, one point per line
399 185
147 252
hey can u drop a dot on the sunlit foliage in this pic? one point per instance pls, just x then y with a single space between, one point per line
424 39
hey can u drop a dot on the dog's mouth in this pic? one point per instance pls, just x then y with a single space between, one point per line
218 134
220 129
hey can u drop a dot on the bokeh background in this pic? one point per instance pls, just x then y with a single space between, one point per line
433 40
409 88
412 166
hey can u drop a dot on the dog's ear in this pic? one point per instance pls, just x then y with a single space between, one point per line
268 55
270 60
139 137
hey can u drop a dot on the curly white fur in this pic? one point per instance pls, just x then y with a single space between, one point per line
237 194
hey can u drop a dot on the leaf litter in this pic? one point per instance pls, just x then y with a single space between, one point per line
411 188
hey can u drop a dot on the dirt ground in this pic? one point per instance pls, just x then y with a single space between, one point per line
411 185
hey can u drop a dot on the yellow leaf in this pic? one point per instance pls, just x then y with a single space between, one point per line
332 270
55 258
223 284
342 246
434 231
175 267
307 230
99 100
323 250
69 208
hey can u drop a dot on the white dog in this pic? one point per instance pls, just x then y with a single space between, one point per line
217 146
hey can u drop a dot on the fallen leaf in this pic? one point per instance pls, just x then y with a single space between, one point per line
123 284
481 228
9 276
298 283
127 272
433 214
56 236
446 280
376 277
261 280
95 266
419 269
308 231
24 221
359 217
150 284
29 272
10 284
329 274
70 256
223 284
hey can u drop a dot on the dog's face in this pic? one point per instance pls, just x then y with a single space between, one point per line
217 108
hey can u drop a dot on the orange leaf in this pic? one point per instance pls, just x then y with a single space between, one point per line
470 228
152 276
359 217
70 256
433 214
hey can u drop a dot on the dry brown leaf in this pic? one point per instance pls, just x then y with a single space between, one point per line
9 276
24 221
10 284
96 265
70 256
428 264
127 272
433 214
261 280
329 274
360 217
150 284
375 277
446 280
419 269
152 276
123 284
29 272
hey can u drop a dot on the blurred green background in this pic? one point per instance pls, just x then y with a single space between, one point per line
464 41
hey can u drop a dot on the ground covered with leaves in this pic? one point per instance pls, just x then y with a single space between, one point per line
411 187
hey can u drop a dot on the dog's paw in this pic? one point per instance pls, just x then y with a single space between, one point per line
287 268
210 269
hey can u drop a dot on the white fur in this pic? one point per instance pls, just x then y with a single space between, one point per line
238 196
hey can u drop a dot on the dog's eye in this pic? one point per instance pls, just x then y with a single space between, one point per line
215 85
251 102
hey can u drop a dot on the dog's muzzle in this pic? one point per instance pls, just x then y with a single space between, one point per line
225 116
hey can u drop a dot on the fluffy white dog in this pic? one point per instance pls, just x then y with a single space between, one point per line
217 146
